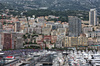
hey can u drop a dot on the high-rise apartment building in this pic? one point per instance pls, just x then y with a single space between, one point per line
7 40
93 17
0 25
74 26
1 46
11 40
17 27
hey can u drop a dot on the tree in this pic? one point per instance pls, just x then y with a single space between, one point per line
24 36
46 48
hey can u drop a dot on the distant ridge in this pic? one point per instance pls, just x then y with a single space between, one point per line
2 6
54 4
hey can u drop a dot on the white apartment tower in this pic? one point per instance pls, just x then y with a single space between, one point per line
93 17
